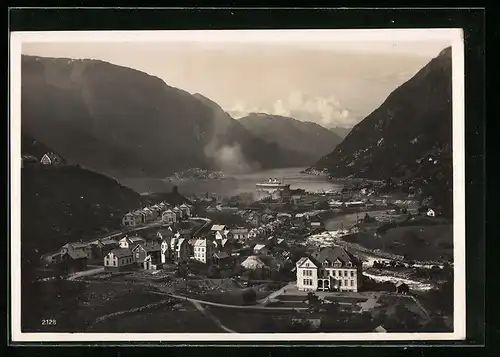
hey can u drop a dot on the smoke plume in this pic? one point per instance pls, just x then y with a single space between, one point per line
230 159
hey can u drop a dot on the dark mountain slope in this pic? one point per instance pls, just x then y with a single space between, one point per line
123 122
409 136
61 204
304 137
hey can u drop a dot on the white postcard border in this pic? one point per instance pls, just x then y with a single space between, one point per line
455 38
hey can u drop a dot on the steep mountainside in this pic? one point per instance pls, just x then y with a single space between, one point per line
305 137
409 136
126 123
61 204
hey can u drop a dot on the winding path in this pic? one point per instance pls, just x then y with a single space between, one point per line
210 316
240 307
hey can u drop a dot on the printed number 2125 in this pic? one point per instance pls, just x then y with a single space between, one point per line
48 322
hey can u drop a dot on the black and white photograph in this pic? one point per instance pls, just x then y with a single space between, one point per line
238 185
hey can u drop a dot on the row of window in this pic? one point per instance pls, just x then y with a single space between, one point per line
347 282
332 273
309 282
124 261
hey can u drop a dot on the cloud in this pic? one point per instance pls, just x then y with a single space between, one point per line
326 111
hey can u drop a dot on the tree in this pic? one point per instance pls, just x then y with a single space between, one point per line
213 272
313 302
181 271
300 326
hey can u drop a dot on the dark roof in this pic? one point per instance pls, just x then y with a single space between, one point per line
136 239
109 241
152 247
149 247
77 253
334 253
75 245
166 233
29 158
121 252
221 255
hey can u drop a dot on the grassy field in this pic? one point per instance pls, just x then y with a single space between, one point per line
252 322
421 243
181 318
104 298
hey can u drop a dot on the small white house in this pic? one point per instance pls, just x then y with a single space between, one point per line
119 259
169 217
178 212
431 213
131 220
186 210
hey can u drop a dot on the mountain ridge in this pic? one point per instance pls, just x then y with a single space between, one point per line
292 134
409 130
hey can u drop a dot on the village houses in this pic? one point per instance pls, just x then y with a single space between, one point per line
132 219
75 255
101 247
329 269
166 250
222 259
169 217
148 256
119 259
218 228
51 159
204 250
240 234
130 242
186 210
180 249
260 249
178 213
149 214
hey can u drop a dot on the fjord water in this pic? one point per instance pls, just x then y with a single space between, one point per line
236 183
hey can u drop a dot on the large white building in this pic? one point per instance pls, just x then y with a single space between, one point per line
204 250
329 269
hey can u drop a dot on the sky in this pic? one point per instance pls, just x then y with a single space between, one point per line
333 83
